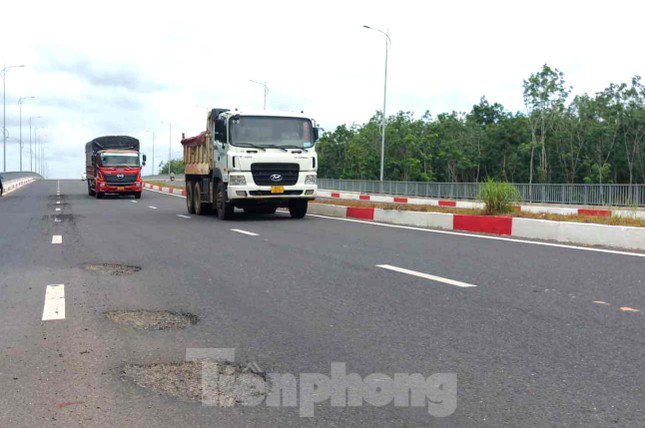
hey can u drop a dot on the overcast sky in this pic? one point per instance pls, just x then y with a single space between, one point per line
124 67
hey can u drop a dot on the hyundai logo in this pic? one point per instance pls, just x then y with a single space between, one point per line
276 177
120 176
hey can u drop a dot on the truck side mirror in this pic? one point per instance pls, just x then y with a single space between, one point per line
317 133
144 160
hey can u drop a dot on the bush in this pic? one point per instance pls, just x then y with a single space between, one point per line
498 197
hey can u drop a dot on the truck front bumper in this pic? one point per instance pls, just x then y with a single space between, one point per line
107 188
250 190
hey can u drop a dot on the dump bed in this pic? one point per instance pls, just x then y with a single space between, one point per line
198 154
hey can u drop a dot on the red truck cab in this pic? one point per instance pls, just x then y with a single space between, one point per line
113 166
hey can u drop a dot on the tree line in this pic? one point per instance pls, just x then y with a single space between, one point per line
558 139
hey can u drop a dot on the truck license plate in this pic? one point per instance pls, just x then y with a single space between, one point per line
120 188
277 189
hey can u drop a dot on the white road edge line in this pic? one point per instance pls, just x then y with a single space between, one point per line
54 308
57 239
468 235
183 216
152 207
244 232
495 238
427 276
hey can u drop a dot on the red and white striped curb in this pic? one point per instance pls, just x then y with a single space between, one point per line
13 185
570 232
596 212
162 189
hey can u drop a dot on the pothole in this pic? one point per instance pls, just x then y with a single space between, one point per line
59 218
214 383
153 320
114 269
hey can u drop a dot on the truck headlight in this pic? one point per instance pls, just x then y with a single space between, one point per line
237 180
310 179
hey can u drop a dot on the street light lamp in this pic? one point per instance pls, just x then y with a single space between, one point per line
388 41
266 91
20 101
31 152
3 72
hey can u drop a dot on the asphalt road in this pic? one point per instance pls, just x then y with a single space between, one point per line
530 345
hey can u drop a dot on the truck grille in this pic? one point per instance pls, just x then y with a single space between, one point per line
286 172
114 180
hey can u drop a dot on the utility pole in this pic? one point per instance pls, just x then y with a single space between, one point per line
388 41
153 153
4 113
32 153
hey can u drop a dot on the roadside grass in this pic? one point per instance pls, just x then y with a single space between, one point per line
612 221
165 184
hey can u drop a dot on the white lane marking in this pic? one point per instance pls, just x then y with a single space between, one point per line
495 238
57 202
57 209
152 207
164 193
135 202
427 276
183 216
57 239
57 220
244 232
54 308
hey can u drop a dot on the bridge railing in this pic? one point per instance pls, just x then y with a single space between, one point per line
570 194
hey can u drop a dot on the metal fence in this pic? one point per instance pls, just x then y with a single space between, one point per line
579 194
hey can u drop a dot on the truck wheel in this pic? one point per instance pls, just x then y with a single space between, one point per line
224 209
137 195
200 208
298 208
99 195
89 189
190 203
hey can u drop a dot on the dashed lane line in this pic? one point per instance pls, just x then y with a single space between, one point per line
183 216
57 239
152 207
427 276
245 232
54 308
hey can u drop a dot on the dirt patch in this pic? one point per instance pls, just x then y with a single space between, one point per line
214 383
60 218
153 320
114 269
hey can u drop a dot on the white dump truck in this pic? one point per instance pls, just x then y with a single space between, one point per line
257 161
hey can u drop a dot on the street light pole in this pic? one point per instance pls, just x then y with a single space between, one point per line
31 151
4 113
20 101
266 91
153 153
388 41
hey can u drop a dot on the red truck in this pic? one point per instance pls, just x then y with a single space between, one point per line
112 166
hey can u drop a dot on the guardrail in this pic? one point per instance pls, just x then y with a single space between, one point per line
12 175
567 194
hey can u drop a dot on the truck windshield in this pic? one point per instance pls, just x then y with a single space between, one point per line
119 159
287 132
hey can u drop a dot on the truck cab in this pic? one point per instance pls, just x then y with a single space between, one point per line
257 161
113 166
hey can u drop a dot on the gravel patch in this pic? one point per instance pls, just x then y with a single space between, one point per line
153 320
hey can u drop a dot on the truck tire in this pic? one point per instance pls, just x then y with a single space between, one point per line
199 207
224 209
137 195
99 195
298 208
89 189
190 203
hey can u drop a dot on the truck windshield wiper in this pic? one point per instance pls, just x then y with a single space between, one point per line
250 145
273 146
